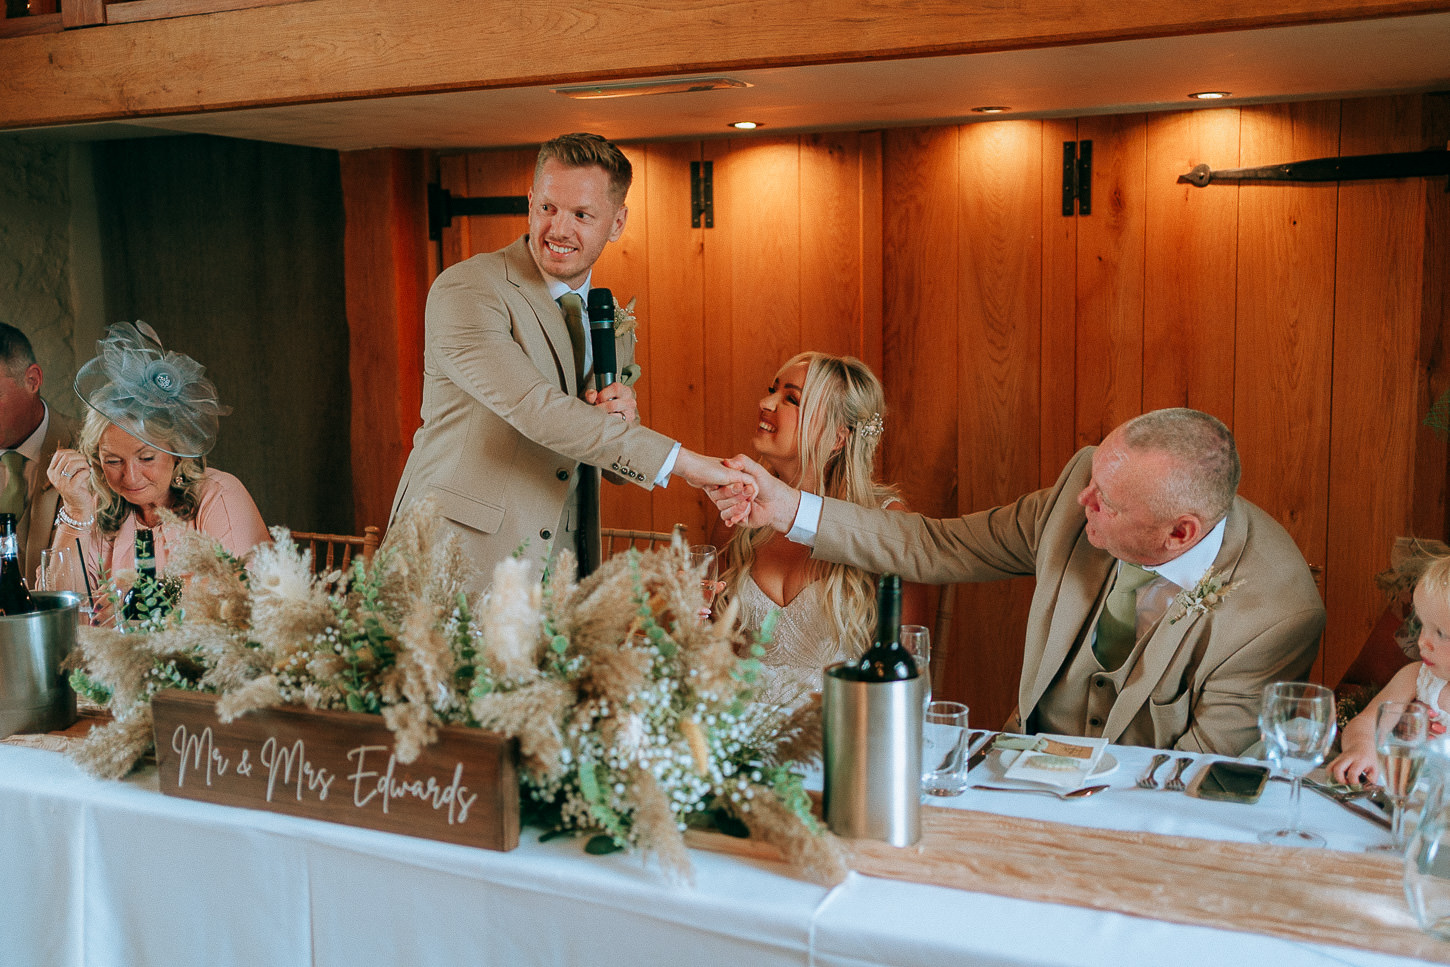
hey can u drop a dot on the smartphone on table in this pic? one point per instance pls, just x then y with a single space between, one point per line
1233 781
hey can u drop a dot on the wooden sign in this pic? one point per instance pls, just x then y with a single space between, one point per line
339 766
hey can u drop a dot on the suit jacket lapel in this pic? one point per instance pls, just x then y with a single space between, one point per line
520 270
43 501
1166 639
1079 593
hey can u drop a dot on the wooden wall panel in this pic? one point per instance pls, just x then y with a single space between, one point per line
1110 279
1431 456
1190 265
758 190
834 273
673 398
1285 333
1378 292
1057 432
386 252
919 261
999 352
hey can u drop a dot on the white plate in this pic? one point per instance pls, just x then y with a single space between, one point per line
1107 764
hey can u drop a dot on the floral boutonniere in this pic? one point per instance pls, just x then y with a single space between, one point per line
624 321
1203 597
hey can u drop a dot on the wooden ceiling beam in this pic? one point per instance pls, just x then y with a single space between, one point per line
329 50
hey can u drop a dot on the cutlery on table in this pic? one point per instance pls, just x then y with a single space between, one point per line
1350 800
981 751
1080 793
1148 782
1175 781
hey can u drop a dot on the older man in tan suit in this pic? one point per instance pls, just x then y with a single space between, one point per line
30 433
511 422
1126 638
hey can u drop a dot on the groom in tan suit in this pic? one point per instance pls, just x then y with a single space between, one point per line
1125 639
512 426
30 433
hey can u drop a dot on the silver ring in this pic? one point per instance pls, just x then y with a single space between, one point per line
64 474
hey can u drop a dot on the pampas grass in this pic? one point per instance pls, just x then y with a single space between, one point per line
632 715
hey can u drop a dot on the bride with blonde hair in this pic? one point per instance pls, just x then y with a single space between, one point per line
820 425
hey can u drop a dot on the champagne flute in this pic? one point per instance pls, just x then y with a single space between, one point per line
1400 731
705 559
1297 723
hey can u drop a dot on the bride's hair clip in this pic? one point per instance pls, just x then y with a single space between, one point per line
872 427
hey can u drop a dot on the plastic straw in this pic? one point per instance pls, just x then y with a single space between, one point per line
85 576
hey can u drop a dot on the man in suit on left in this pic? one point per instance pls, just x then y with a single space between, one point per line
513 428
30 433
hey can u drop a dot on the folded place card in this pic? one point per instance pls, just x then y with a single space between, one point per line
1061 761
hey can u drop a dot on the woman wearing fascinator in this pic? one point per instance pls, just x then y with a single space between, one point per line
152 419
820 424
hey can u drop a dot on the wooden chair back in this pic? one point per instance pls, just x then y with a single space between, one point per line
616 539
334 552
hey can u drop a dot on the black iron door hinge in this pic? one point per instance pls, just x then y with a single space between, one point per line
1077 178
444 206
702 194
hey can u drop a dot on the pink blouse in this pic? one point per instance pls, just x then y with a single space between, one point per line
226 512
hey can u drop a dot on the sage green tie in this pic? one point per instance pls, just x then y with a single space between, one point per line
573 307
12 495
1118 624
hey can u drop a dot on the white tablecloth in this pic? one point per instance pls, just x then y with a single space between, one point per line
114 873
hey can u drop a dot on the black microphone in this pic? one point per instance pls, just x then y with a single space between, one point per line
601 335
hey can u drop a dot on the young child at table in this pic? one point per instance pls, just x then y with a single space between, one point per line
1422 681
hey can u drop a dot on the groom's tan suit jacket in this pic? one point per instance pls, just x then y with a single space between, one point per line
1196 682
504 432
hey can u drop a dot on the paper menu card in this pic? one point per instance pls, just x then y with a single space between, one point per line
1060 761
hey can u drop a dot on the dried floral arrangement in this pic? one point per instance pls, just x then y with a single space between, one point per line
633 717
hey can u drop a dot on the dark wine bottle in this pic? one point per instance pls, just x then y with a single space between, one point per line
886 660
14 596
133 604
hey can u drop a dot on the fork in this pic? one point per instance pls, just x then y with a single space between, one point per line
1148 782
1175 781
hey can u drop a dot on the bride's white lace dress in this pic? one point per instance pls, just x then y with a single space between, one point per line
804 643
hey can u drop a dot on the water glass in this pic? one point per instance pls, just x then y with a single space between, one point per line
1427 857
1400 732
944 749
1298 726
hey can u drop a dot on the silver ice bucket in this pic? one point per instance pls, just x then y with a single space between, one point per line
873 758
35 695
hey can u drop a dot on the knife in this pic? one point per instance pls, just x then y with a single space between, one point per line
981 751
1354 806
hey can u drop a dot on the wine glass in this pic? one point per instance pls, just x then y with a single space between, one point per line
61 570
1297 723
705 560
1400 731
916 639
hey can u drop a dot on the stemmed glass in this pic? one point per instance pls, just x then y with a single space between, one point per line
1400 731
705 559
916 639
1297 723
61 570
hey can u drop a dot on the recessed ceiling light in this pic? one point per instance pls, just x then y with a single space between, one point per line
992 109
746 125
588 92
1211 95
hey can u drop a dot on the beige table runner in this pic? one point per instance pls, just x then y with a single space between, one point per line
1314 895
